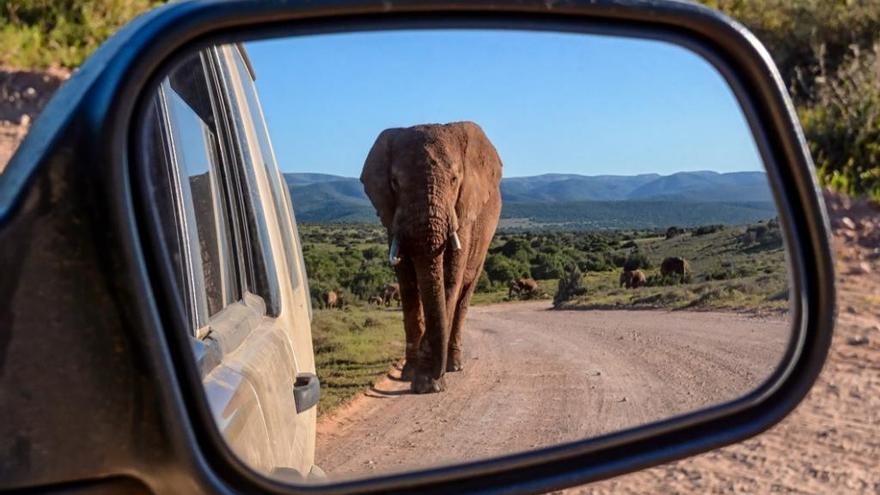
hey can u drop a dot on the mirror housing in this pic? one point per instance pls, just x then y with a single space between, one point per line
105 386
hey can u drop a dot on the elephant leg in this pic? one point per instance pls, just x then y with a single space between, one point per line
413 317
455 361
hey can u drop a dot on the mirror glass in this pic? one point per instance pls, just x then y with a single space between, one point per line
404 249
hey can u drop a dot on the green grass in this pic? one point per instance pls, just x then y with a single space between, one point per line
726 275
759 294
354 348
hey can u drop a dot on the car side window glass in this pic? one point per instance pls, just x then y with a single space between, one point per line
261 260
267 156
203 213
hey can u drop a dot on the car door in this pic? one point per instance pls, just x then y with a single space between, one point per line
292 312
239 273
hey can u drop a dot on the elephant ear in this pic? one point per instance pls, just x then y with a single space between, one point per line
481 174
376 176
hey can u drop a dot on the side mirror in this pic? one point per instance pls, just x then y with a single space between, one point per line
621 183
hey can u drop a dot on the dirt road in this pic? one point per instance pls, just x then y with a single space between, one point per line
535 377
831 443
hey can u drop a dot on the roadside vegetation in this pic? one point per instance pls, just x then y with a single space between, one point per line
37 34
354 348
827 53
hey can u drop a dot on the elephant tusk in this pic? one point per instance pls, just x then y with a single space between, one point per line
456 242
393 259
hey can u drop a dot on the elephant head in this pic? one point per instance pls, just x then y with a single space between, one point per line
425 180
429 183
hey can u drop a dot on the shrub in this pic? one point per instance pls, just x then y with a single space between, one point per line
595 263
483 283
570 286
842 125
707 229
500 269
42 33
548 266
636 261
674 232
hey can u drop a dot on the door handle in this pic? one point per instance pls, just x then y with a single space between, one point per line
306 391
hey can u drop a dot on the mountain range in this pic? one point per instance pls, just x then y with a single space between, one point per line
601 201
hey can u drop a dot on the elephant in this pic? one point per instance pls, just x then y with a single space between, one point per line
331 299
377 300
391 292
436 190
633 279
676 265
522 286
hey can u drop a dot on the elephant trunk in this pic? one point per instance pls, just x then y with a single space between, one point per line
432 234
434 347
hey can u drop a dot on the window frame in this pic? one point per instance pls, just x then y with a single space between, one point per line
232 262
254 217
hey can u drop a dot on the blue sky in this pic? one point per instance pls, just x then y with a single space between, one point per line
550 102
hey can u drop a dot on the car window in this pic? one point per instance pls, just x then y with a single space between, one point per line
262 259
203 214
267 158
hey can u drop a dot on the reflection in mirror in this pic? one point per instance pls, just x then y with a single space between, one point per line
506 240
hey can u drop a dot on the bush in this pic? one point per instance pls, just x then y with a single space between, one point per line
595 263
483 283
548 266
517 249
570 286
707 229
500 269
40 33
674 232
827 53
842 125
636 261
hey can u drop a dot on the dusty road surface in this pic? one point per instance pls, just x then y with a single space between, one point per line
536 377
831 443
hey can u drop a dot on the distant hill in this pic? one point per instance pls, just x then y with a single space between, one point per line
602 201
604 215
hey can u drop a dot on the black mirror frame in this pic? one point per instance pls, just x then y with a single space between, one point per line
94 117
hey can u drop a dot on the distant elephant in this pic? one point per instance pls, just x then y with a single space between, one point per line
377 300
676 265
436 189
391 293
331 299
633 279
522 286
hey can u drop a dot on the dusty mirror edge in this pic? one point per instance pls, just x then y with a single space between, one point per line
799 295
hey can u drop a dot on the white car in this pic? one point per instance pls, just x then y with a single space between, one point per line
230 227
